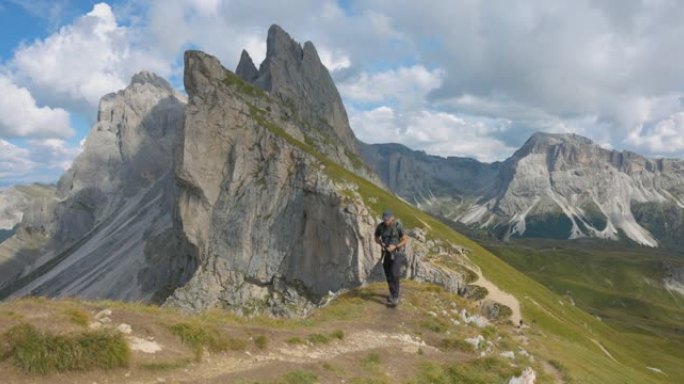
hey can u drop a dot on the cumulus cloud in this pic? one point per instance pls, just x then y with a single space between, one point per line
666 136
407 86
435 132
20 116
333 60
604 59
14 160
85 60
39 161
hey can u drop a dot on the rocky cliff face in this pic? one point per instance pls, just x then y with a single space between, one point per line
265 221
445 186
14 201
110 232
293 75
559 186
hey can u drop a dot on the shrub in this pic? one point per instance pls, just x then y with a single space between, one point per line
198 336
39 352
261 342
453 343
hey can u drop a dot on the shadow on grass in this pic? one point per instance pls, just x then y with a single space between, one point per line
373 297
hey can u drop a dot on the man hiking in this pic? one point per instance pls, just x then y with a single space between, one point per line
391 237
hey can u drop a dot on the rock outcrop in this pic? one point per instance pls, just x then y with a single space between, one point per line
556 185
266 221
110 232
294 75
16 200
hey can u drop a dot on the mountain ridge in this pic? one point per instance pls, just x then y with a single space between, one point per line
557 185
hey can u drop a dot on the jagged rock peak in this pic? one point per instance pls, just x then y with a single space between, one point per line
541 142
543 139
146 77
280 44
296 74
246 68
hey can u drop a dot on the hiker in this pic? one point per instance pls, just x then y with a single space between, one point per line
391 237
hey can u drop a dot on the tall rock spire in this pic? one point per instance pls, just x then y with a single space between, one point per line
295 74
246 68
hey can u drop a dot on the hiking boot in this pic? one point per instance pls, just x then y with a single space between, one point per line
394 301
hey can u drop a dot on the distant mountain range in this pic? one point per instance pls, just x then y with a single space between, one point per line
560 186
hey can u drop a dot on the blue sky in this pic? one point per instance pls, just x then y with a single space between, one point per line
457 78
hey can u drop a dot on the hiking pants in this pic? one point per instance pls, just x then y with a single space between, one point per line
392 270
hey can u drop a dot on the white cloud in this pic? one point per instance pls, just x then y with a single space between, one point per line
666 136
14 160
85 60
21 117
54 153
333 60
406 85
435 132
40 161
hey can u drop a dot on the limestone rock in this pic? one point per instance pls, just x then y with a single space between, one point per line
14 201
109 234
295 75
265 220
246 68
528 376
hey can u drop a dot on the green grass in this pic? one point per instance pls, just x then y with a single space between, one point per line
435 325
481 371
40 352
619 284
299 377
261 342
295 341
233 80
456 344
318 338
338 334
78 316
371 361
199 336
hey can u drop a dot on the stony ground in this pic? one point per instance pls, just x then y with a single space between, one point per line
356 339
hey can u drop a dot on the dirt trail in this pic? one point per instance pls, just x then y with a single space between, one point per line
217 367
497 294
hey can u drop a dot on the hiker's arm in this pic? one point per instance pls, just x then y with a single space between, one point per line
378 238
404 241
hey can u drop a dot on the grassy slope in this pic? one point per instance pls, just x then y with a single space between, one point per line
568 334
566 331
619 284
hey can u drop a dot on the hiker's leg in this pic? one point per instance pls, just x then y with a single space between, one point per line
396 273
387 266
